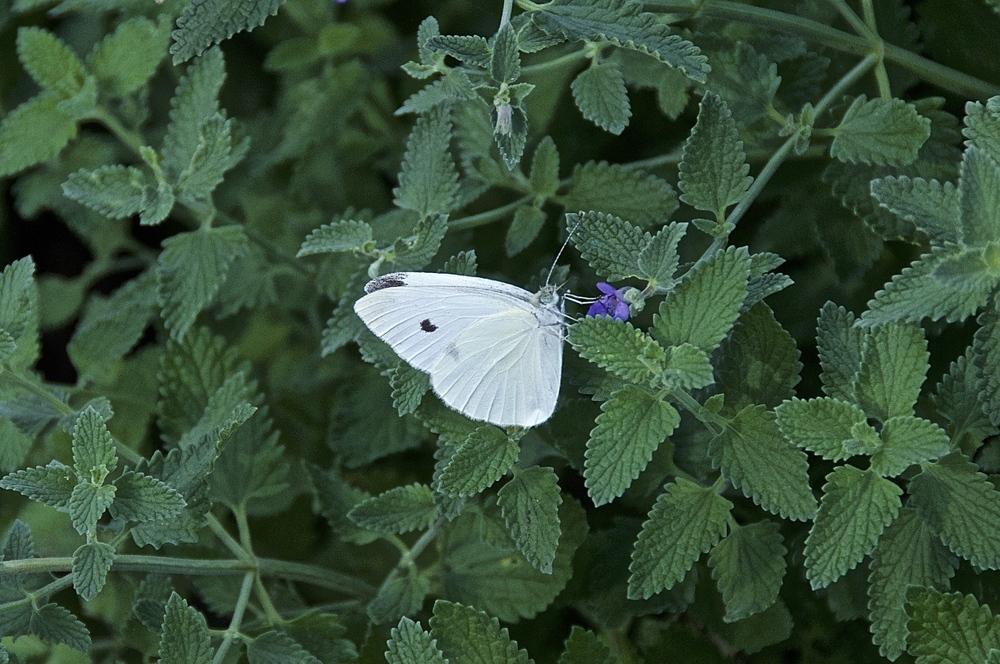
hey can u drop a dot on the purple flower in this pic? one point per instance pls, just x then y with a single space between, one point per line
611 304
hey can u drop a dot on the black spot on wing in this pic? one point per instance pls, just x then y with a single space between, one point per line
392 280
427 326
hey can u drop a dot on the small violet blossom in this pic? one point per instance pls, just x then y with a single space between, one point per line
611 303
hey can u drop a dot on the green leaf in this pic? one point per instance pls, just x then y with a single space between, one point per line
276 647
184 638
880 131
748 566
400 594
19 312
191 269
908 554
688 368
529 503
91 563
544 175
979 196
825 426
34 132
686 521
94 453
49 61
114 191
417 250
505 60
839 344
470 49
622 24
339 236
703 307
959 402
410 644
214 155
962 506
757 460
14 445
631 194
982 126
857 505
746 80
893 366
659 259
907 440
760 361
87 505
453 87
205 23
950 627
468 636
608 243
632 424
618 348
396 511
409 386
141 498
510 131
55 624
930 206
196 100
584 647
428 181
527 223
714 172
126 59
600 93
50 485
483 457
986 358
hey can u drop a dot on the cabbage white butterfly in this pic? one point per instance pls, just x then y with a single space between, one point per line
493 350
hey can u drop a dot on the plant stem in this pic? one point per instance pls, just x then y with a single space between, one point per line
489 216
223 536
131 139
859 26
39 391
234 624
508 7
881 75
944 77
273 617
580 54
422 543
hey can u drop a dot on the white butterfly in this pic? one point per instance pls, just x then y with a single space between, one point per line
493 350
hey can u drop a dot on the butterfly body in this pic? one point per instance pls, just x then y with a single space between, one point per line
493 350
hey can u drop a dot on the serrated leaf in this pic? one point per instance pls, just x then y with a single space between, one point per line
126 59
339 236
703 307
527 223
464 263
94 454
409 644
50 485
686 521
610 244
14 445
962 506
824 426
714 173
585 647
505 59
529 503
91 563
893 365
880 131
141 498
908 554
932 207
959 401
618 348
452 88
625 25
184 638
87 505
399 595
856 507
50 61
34 132
760 361
196 100
907 440
749 566
659 259
688 368
982 124
214 154
470 49
839 344
631 194
483 457
979 197
632 424
950 627
757 460
600 93
510 131
986 358
205 23
409 386
468 636
746 79
544 174
396 511
190 271
416 251
19 312
55 624
428 181
114 191
277 647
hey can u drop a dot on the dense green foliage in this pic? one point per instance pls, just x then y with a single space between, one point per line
788 453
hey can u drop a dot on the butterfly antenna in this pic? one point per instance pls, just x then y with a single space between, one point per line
559 253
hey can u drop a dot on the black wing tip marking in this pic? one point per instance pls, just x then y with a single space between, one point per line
391 280
427 326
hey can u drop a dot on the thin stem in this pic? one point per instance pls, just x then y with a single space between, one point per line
508 7
131 139
849 79
422 543
580 54
859 26
223 536
881 75
489 216
234 624
39 391
714 423
243 526
944 77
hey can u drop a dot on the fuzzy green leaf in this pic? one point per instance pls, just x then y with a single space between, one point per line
196 100
396 511
979 196
632 424
686 521
529 503
544 175
184 638
50 61
950 627
278 647
126 59
703 307
505 60
631 194
468 636
760 361
19 313
14 445
839 344
749 566
141 498
986 358
930 206
34 132
91 563
527 223
618 348
585 647
204 23
856 507
484 457
880 131
757 460
213 156
893 366
610 244
94 453
87 505
410 644
600 93
714 173
907 440
659 259
470 49
409 386
399 595
962 506
50 485
114 191
55 624
960 402
428 181
825 426
339 236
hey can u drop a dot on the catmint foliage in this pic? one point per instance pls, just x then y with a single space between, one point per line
775 230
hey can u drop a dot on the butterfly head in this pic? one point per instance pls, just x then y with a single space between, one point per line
548 296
